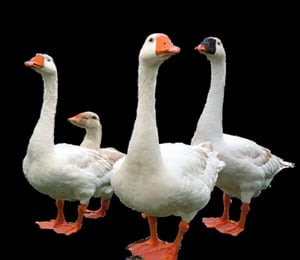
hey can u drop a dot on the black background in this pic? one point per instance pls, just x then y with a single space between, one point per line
96 52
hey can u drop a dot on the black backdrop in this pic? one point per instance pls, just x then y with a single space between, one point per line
96 53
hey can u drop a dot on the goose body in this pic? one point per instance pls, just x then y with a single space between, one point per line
250 167
166 179
90 121
65 172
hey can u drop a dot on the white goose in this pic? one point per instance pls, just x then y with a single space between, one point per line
161 179
250 167
90 121
62 171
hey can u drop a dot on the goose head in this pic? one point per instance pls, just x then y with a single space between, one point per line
212 47
43 64
160 45
86 119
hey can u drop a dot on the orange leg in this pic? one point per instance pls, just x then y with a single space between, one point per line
174 247
55 223
223 224
214 222
73 227
101 212
141 246
232 227
153 248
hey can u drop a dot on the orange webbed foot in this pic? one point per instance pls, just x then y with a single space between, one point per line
153 250
94 214
68 229
51 224
223 225
213 222
46 224
101 212
231 228
143 245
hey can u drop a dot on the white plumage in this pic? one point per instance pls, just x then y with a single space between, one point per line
167 179
90 121
61 171
250 167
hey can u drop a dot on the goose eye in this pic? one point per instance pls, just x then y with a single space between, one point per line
219 43
94 117
151 40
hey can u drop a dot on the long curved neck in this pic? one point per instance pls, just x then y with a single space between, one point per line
144 143
92 138
209 125
42 139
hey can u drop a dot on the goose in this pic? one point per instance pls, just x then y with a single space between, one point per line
249 167
90 121
64 172
161 179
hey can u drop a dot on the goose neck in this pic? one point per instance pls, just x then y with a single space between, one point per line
144 140
43 134
210 122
